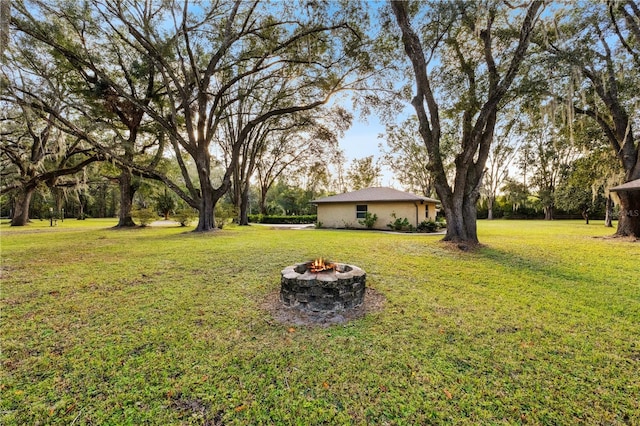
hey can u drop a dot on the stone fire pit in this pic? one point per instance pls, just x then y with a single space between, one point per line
335 288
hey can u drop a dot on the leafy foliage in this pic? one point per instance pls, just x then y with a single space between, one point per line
225 213
597 47
144 216
465 58
400 224
428 226
369 220
275 219
165 203
363 173
185 216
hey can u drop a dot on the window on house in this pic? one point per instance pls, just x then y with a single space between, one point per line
361 211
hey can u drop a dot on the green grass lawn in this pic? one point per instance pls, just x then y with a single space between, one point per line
162 326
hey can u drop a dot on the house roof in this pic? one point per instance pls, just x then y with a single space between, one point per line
372 195
633 185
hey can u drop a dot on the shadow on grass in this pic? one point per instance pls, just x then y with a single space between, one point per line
586 286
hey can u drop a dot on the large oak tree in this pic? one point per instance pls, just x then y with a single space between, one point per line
595 48
34 152
209 57
95 70
35 149
465 57
214 56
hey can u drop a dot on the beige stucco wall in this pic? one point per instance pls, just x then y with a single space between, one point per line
432 211
343 215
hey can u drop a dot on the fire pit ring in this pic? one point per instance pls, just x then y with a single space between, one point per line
331 288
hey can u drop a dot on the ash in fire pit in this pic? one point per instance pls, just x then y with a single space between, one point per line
319 286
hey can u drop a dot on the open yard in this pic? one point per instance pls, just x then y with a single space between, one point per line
162 326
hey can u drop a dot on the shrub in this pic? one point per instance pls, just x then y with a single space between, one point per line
256 218
225 214
346 224
165 203
369 220
427 226
400 224
144 216
280 219
186 216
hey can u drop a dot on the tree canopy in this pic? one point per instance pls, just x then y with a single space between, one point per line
234 98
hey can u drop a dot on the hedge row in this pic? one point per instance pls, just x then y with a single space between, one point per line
259 218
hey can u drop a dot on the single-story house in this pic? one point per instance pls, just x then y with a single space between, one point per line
346 210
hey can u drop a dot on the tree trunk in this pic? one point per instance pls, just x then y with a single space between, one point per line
263 200
548 213
102 206
236 194
585 216
206 217
490 208
462 227
127 191
629 222
244 206
461 219
22 203
478 121
81 205
608 218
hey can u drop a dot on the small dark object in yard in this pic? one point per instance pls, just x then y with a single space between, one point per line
193 406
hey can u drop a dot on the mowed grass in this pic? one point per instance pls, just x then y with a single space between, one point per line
162 326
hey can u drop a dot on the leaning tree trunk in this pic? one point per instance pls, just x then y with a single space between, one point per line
21 210
127 191
629 222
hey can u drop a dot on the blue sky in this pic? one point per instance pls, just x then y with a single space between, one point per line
361 140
